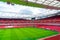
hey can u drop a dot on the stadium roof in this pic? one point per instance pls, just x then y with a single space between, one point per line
21 11
52 3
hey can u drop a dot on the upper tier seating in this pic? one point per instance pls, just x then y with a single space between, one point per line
55 19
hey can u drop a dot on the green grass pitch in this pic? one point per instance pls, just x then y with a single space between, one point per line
22 2
25 33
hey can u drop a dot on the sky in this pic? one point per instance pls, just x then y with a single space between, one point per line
20 11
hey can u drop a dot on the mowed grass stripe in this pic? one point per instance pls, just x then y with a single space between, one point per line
31 31
31 34
6 35
42 32
25 33
36 34
28 35
2 31
20 34
14 35
39 34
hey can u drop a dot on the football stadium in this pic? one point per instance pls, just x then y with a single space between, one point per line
29 19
